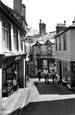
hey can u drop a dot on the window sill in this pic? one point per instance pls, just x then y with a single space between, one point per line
6 50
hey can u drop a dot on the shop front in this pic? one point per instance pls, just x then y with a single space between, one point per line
10 75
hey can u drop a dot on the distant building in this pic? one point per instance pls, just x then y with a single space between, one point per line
43 52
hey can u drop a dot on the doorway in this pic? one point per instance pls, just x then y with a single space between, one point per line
60 71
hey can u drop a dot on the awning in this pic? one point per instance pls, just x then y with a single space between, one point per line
10 58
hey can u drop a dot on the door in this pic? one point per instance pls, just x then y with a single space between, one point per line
60 71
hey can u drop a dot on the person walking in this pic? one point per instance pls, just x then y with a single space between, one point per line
53 75
46 74
39 75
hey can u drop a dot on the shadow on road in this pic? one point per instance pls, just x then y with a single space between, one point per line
52 88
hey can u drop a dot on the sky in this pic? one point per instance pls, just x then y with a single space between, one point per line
50 12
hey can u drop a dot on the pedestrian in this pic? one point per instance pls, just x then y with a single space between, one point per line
39 75
53 75
46 74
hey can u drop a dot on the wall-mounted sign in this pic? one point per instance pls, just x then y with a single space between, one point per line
17 58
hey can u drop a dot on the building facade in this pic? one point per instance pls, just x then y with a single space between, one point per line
12 50
65 55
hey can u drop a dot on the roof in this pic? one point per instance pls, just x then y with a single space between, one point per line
32 32
48 37
20 16
67 29
10 15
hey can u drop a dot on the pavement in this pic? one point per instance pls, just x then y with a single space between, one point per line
12 104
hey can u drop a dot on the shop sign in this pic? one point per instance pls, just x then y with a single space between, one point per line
17 58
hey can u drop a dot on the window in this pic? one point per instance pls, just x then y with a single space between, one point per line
21 42
56 43
59 42
64 42
39 47
6 43
15 39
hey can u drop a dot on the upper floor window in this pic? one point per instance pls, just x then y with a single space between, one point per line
59 42
64 42
56 43
21 42
49 48
15 38
38 48
6 42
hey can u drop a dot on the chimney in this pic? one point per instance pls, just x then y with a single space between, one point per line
64 23
73 21
17 6
60 27
24 11
42 28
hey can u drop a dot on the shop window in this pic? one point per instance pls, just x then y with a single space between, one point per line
15 38
7 83
6 42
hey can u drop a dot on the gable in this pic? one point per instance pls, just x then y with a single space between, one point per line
48 42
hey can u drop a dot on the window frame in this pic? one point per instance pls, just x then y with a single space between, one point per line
15 38
6 41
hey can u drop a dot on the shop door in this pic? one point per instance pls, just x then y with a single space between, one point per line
40 64
60 71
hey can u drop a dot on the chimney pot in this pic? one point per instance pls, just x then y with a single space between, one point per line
64 22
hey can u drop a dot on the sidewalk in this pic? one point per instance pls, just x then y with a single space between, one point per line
17 100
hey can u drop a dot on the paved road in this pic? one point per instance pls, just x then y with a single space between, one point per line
61 102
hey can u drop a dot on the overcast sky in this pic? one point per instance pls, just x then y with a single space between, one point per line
50 12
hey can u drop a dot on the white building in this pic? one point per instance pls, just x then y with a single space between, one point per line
12 49
65 55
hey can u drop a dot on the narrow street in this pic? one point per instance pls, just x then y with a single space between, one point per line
53 100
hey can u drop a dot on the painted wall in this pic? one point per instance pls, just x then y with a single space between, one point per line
64 54
72 45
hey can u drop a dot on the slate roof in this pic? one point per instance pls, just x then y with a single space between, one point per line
7 10
50 36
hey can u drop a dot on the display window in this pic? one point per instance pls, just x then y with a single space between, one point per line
9 78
